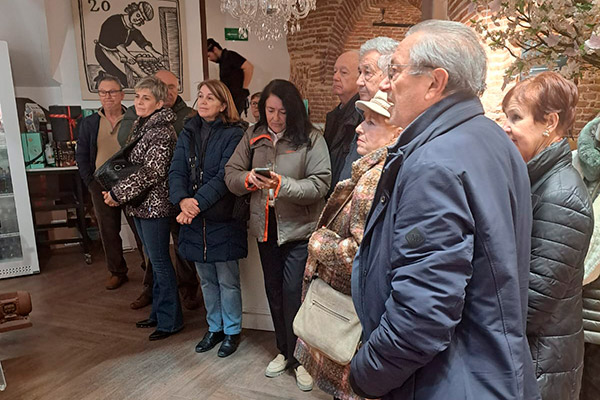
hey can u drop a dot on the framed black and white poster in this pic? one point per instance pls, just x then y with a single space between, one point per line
128 40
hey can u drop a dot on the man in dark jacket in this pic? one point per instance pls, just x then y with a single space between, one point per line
440 281
234 71
341 122
96 144
187 281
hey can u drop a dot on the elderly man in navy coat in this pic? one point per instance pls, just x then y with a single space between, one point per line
440 281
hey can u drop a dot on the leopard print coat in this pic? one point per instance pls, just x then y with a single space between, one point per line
154 152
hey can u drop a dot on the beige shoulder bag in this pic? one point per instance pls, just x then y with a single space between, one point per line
327 320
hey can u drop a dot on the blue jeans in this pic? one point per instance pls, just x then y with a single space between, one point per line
220 282
166 309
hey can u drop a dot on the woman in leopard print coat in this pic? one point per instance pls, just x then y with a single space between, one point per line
152 217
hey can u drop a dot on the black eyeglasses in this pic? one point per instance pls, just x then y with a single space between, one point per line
104 93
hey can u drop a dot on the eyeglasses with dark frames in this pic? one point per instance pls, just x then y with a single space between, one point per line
111 93
393 70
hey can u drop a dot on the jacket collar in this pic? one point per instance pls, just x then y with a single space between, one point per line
367 162
179 105
441 117
553 157
348 114
163 116
438 119
196 122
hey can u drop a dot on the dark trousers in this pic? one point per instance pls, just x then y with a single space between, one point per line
109 224
166 309
283 269
187 280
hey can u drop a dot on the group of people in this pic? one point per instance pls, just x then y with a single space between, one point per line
461 242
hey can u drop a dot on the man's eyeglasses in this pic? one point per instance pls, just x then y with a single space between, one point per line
393 70
111 93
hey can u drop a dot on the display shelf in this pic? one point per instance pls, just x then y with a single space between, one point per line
71 201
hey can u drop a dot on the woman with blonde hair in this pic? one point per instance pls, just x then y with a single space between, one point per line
209 236
155 136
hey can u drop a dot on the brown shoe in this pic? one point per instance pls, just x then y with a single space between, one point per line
141 301
115 281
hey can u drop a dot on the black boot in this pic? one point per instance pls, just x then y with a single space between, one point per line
229 345
210 340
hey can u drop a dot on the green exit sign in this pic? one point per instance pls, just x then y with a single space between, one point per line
236 34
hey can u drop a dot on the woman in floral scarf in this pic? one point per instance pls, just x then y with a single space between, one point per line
331 249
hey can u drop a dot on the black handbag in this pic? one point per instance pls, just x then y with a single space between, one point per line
117 168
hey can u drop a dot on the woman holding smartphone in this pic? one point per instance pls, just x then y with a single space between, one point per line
286 201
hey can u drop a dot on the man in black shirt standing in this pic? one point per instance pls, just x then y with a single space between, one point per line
234 71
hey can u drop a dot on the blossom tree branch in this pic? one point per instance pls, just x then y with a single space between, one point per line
542 33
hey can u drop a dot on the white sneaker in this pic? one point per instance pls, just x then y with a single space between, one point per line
303 379
276 367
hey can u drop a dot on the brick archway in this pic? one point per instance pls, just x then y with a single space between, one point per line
334 27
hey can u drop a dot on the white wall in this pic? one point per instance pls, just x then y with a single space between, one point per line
41 39
40 35
268 64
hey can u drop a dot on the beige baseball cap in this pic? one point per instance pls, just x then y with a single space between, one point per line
378 104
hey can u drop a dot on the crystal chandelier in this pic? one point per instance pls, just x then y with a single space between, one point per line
269 19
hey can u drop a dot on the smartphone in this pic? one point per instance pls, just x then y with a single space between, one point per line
266 172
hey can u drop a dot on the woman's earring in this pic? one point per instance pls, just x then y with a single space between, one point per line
546 133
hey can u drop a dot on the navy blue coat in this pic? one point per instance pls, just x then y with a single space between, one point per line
87 147
440 280
212 236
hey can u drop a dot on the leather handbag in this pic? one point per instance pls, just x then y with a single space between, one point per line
117 168
328 322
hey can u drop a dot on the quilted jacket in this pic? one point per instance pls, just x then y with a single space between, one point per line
562 227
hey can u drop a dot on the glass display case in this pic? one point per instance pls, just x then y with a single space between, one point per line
18 253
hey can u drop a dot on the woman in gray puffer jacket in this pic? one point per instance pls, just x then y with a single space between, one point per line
540 113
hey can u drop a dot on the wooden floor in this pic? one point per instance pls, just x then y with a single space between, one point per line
84 345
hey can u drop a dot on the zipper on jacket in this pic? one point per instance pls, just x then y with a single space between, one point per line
204 236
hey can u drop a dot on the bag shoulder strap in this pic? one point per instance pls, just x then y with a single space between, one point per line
339 210
194 166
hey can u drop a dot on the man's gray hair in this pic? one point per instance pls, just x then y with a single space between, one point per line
110 78
154 85
454 47
385 46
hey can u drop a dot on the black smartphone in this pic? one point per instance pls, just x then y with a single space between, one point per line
266 172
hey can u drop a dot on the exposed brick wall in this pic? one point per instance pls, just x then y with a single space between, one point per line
589 85
334 27
340 25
